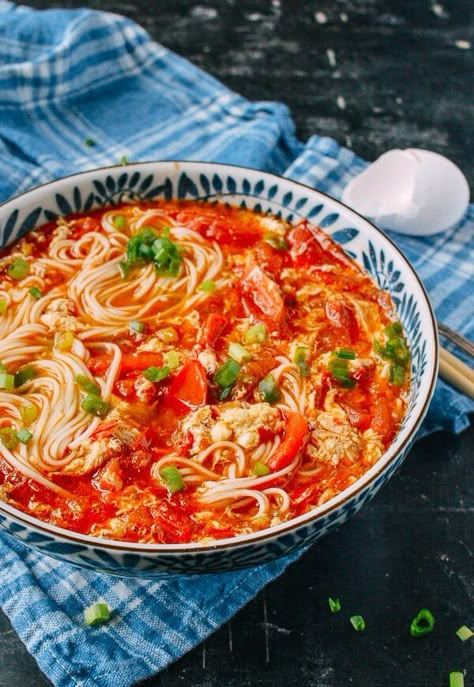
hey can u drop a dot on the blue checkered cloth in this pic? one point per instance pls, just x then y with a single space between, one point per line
66 76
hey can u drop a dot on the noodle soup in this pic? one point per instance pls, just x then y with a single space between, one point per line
177 372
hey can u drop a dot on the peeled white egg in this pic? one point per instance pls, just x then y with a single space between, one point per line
411 191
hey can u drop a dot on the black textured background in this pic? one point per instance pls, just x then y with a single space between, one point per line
403 69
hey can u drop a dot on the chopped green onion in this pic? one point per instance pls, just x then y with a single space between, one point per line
358 623
9 438
334 605
156 374
94 405
167 335
124 160
226 376
464 633
171 359
397 374
24 435
256 334
124 269
422 624
346 354
35 292
25 375
171 478
3 306
119 222
239 353
338 367
393 329
301 360
269 390
87 385
64 341
276 241
149 246
138 327
7 381
28 414
2 367
456 679
260 469
89 142
208 286
18 269
97 613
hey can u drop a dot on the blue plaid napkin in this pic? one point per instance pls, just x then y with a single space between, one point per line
67 76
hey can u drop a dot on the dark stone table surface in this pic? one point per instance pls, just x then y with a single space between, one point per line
374 75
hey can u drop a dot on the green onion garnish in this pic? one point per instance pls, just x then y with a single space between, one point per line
208 286
422 624
89 142
2 367
301 360
346 354
119 222
456 679
394 329
124 269
35 292
171 478
123 160
239 353
276 241
227 374
138 327
28 414
256 334
156 374
464 633
167 335
3 306
171 359
338 367
7 381
94 405
87 385
97 613
25 375
149 246
397 374
358 623
260 469
334 605
8 438
269 390
64 341
18 269
24 435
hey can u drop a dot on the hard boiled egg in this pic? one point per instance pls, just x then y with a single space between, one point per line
411 191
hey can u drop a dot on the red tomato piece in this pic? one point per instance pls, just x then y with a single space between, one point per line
296 431
213 328
264 293
190 384
311 247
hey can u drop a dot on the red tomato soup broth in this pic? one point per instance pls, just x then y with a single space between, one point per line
178 372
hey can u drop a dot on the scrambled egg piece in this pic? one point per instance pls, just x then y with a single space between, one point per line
333 438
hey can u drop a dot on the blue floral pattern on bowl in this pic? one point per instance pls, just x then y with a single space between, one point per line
265 193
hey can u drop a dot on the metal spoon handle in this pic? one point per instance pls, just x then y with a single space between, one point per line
456 338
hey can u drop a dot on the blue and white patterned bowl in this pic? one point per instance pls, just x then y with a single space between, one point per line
292 201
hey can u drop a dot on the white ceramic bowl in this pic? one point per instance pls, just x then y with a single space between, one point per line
292 201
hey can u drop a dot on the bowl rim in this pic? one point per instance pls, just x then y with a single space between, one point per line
387 459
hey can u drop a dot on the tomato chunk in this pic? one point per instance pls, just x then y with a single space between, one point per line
190 384
296 431
213 328
264 293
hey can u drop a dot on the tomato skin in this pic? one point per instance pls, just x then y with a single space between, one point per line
296 431
342 318
190 384
213 329
219 225
381 421
311 247
264 294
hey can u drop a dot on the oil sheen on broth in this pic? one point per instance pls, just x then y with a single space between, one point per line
183 372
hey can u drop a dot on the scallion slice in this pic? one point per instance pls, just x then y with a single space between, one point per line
94 405
9 438
156 374
239 353
256 334
171 359
119 222
123 160
3 306
338 367
150 246
138 327
26 374
346 354
456 679
394 329
167 335
422 624
24 435
97 613
334 605
28 414
227 374
358 623
19 269
269 389
464 633
87 385
276 241
397 374
35 292
301 360
208 286
260 469
171 478
7 381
